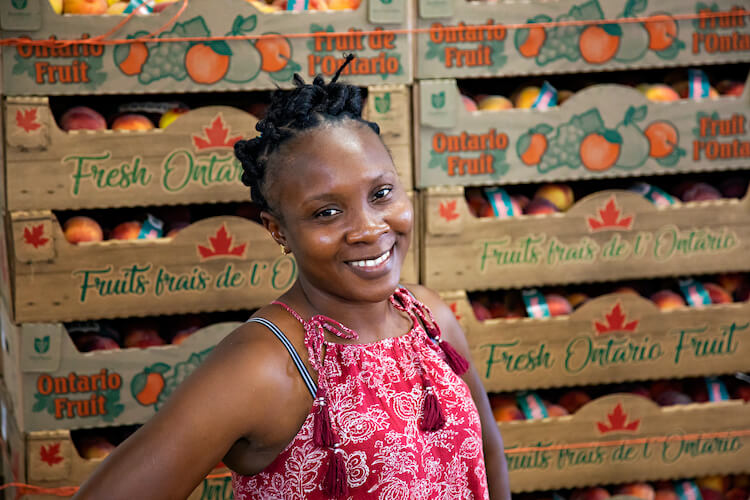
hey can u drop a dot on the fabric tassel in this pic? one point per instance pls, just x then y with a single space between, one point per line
335 484
322 430
432 415
454 359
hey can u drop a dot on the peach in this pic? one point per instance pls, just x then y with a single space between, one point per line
560 195
564 95
660 386
670 398
558 305
469 103
494 103
590 494
81 229
700 191
709 494
126 231
163 4
94 447
539 206
577 299
574 399
95 7
82 118
259 109
638 490
142 334
180 336
666 494
717 294
343 4
498 310
498 400
734 187
627 290
660 93
91 342
716 483
731 88
170 116
132 121
117 8
556 410
480 311
521 201
732 282
478 204
526 97
507 413
667 300
737 494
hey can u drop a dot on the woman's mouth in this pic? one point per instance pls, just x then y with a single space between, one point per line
373 263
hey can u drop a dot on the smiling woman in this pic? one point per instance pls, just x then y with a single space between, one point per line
364 389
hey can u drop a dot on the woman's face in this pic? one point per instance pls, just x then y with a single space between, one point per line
344 214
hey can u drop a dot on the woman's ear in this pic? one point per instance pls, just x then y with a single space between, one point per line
273 226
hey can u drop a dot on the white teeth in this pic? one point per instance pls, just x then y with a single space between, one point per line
373 262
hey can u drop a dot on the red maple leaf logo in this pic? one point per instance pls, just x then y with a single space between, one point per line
617 420
217 136
448 210
454 308
27 119
615 322
51 454
609 218
35 236
221 245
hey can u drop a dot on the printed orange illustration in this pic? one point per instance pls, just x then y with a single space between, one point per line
275 52
662 30
598 45
151 389
662 137
137 55
598 153
537 147
535 38
204 65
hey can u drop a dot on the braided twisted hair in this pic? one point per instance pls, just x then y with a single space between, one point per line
291 112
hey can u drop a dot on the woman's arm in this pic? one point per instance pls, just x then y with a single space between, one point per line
494 455
233 393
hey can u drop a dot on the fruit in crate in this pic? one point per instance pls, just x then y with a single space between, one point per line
85 7
577 299
573 400
82 118
526 97
671 398
732 282
590 494
481 312
731 88
709 494
132 121
716 483
683 90
126 231
539 206
185 327
494 103
81 229
638 490
478 204
666 494
507 413
170 116
469 103
737 494
667 300
560 195
700 191
558 305
734 187
142 334
555 410
92 342
659 92
57 6
717 294
94 447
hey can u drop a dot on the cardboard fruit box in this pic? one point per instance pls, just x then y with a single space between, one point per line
191 161
610 339
609 235
199 65
52 385
479 39
602 131
219 263
622 438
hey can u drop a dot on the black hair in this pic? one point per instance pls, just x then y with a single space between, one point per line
291 112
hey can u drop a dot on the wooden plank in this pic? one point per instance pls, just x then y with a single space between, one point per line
237 64
460 147
622 437
609 235
610 339
476 39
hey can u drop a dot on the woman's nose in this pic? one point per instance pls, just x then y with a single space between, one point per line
366 227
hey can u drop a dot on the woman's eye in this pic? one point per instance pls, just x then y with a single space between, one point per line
383 192
327 212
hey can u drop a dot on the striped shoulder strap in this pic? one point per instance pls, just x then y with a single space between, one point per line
306 377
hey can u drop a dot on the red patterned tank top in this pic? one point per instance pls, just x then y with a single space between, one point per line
375 396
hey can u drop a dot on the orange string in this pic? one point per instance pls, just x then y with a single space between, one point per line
67 491
101 39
